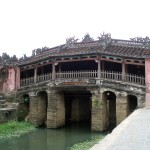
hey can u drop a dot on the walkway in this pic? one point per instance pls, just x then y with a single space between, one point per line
132 134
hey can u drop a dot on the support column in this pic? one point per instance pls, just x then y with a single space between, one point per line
53 71
55 110
17 77
35 74
123 71
99 113
121 107
33 108
147 82
99 68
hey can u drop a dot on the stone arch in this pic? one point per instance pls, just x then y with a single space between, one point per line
24 105
132 103
109 106
42 107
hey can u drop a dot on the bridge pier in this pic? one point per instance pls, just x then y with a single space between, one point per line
98 118
33 108
121 107
55 110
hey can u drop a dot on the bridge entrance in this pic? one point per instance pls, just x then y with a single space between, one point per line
42 107
77 107
109 99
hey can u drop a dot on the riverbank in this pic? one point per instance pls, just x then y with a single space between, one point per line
15 129
86 145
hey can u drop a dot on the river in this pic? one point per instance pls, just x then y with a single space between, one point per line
50 139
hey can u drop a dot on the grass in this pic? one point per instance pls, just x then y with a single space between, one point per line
86 145
15 129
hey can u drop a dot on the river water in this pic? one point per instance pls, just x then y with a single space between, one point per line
50 139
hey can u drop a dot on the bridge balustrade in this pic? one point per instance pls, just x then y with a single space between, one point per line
84 75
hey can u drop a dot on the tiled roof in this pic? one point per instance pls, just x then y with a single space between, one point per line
114 47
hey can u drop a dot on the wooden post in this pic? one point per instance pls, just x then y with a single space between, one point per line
35 74
123 71
99 68
17 77
53 71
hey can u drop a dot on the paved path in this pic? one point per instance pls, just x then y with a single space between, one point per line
132 134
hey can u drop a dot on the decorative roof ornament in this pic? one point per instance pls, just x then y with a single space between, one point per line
104 36
140 39
87 38
70 41
104 39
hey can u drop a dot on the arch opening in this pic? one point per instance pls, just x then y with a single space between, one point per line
77 107
23 109
42 108
109 101
132 103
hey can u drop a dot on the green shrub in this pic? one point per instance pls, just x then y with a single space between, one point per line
15 129
86 145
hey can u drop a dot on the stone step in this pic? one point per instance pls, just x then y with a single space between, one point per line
2 101
3 105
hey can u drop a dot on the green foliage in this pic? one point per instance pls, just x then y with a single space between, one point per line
15 129
95 102
86 145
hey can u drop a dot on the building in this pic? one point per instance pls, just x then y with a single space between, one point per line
100 82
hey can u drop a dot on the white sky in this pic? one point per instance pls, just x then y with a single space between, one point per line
29 24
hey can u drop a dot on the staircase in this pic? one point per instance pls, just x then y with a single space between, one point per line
8 110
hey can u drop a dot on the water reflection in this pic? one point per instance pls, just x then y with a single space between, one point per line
50 139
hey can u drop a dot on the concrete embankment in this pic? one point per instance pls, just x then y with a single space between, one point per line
132 134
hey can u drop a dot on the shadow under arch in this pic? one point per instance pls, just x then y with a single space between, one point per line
132 103
23 109
109 106
42 107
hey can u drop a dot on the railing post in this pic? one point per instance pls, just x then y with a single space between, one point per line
123 71
53 71
35 74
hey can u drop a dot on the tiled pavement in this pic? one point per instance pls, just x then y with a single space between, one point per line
132 134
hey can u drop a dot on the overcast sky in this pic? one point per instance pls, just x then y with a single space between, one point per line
29 24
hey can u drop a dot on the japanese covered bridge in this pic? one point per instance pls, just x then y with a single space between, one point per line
100 82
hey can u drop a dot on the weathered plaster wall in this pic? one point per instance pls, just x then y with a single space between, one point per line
147 80
9 83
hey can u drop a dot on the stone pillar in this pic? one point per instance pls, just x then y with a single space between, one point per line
55 110
141 101
147 82
121 107
99 113
75 113
35 74
33 108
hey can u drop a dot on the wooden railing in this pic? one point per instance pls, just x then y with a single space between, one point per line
111 75
85 75
135 79
77 74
